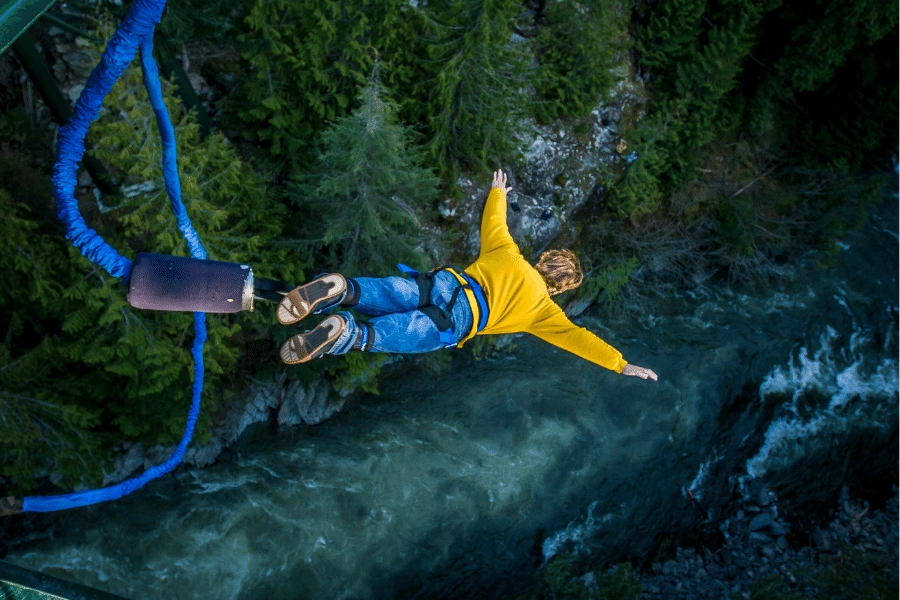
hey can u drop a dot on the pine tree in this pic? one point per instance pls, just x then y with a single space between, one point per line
577 51
80 369
43 424
671 36
475 76
369 189
236 219
307 61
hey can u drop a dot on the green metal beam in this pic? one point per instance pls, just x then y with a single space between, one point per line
18 583
16 16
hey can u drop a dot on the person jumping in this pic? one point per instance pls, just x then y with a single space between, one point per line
499 293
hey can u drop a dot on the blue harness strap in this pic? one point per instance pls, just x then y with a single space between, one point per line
135 32
480 298
440 316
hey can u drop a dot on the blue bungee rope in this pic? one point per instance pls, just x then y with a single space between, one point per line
133 34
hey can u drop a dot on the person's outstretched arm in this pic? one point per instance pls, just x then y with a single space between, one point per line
494 231
558 330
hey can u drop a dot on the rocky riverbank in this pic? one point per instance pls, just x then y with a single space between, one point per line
854 555
287 402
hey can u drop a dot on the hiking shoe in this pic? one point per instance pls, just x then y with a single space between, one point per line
313 344
308 298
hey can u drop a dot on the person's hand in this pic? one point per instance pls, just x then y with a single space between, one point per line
636 371
500 181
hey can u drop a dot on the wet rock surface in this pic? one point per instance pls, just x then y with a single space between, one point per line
289 403
757 546
562 170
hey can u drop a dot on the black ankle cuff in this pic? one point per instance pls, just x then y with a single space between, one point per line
365 339
351 298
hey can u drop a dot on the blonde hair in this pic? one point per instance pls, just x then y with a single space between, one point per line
560 269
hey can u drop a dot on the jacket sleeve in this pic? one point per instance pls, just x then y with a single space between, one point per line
558 330
494 231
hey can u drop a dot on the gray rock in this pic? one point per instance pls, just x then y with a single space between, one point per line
157 455
670 568
577 306
821 540
650 588
779 528
590 581
201 456
125 464
761 521
761 538
80 62
310 406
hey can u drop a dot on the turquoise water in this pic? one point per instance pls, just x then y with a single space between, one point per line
462 483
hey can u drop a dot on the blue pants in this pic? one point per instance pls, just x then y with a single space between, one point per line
399 326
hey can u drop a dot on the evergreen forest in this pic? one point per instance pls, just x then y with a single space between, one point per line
763 129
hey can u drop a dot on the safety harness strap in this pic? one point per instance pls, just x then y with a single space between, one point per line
442 317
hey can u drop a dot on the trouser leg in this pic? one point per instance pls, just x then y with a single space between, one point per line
385 295
407 332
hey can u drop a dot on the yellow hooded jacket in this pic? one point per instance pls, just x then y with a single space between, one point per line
517 296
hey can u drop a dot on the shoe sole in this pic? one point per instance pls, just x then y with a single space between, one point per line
300 302
306 346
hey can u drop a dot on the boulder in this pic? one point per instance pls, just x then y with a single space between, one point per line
761 538
761 521
126 463
310 405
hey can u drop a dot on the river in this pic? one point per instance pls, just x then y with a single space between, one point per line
462 483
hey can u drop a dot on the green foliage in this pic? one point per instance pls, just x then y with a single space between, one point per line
557 581
236 221
694 80
671 36
824 38
474 77
22 156
367 192
849 574
42 424
490 346
306 62
217 20
810 86
358 370
611 281
81 369
577 51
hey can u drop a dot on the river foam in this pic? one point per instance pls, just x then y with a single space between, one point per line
856 393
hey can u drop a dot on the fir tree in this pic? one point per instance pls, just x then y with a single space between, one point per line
307 61
368 189
236 219
43 425
577 51
476 75
80 369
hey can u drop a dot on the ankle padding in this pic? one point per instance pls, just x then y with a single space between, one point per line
365 339
351 298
